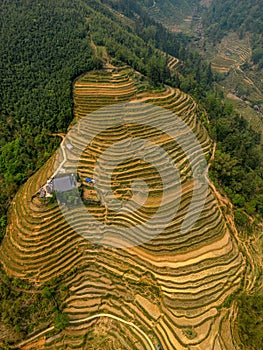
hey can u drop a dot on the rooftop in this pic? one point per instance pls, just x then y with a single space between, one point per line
65 183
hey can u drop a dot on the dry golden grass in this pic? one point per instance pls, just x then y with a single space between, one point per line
170 288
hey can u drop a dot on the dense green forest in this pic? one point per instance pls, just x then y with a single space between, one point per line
238 15
238 164
46 45
250 320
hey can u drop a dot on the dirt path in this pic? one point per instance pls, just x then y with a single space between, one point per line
64 155
153 6
120 320
212 156
60 135
32 339
105 55
229 216
92 44
131 324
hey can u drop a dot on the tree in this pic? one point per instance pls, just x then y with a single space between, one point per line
249 319
61 321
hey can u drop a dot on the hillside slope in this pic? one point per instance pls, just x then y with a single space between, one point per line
168 292
44 47
58 289
168 12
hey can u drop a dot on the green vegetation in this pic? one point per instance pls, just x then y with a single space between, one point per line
238 15
238 162
61 321
45 46
25 308
249 320
168 12
190 333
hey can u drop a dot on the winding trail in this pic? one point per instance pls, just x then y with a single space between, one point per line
154 5
25 342
152 347
63 152
229 216
120 320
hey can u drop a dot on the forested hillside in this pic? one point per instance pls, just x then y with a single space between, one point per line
168 12
240 16
44 46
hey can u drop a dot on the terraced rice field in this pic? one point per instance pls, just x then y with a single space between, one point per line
232 52
168 291
241 87
173 63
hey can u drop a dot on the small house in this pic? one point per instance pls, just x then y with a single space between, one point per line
64 183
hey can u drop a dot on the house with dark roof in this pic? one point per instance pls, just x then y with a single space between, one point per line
64 183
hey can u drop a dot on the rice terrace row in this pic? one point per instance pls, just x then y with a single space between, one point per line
167 293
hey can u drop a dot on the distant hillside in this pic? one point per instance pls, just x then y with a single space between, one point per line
168 12
240 16
171 11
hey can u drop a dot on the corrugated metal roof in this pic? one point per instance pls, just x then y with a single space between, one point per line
65 183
